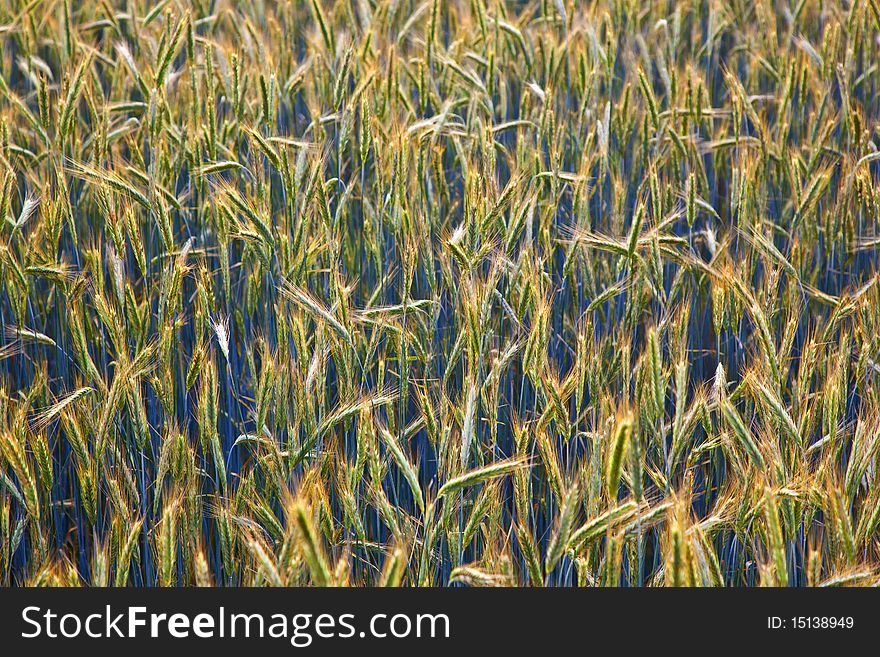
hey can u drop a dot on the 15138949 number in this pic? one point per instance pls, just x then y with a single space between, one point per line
810 622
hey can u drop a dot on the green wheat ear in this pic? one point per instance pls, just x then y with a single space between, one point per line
484 293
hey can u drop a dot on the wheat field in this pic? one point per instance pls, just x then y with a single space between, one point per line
402 293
